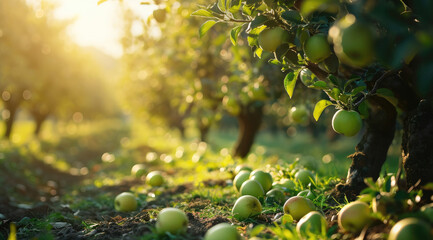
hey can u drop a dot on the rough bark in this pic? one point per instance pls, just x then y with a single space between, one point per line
249 121
417 145
372 150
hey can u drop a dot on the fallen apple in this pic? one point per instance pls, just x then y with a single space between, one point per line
171 220
307 194
264 178
312 223
275 195
155 179
125 202
245 207
253 188
222 231
304 177
138 170
410 228
354 216
240 178
298 207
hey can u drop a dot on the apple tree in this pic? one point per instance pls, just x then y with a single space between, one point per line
372 59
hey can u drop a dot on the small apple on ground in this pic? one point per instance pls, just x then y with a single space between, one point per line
307 194
346 122
410 228
222 231
264 178
245 207
317 48
298 207
239 168
240 178
270 39
305 177
275 195
138 170
313 223
171 220
155 179
354 216
253 188
125 202
284 184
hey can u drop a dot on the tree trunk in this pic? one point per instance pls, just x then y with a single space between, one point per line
417 145
204 130
39 121
9 122
372 150
249 121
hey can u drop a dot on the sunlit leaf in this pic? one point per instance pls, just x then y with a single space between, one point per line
290 82
320 106
309 6
13 232
257 230
222 5
258 52
388 95
236 6
202 13
204 28
234 34
358 90
319 85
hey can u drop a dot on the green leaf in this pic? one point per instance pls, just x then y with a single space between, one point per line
388 95
310 6
202 13
290 82
222 5
247 10
258 52
257 22
363 109
319 85
320 106
236 6
257 230
234 34
101 1
335 93
204 28
358 90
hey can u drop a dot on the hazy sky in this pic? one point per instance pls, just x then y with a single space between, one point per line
97 25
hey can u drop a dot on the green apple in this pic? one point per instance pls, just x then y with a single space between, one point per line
171 220
270 38
346 122
298 207
353 42
160 15
155 179
307 77
138 170
284 184
354 216
240 178
410 228
299 114
239 168
222 231
427 210
304 177
275 195
264 178
312 223
125 202
317 48
306 193
245 207
253 188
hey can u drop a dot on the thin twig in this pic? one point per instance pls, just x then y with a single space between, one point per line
374 89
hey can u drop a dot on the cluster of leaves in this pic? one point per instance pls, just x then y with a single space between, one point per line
345 79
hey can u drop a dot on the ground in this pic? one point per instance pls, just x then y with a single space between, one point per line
64 187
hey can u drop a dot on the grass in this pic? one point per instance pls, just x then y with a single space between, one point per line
104 152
